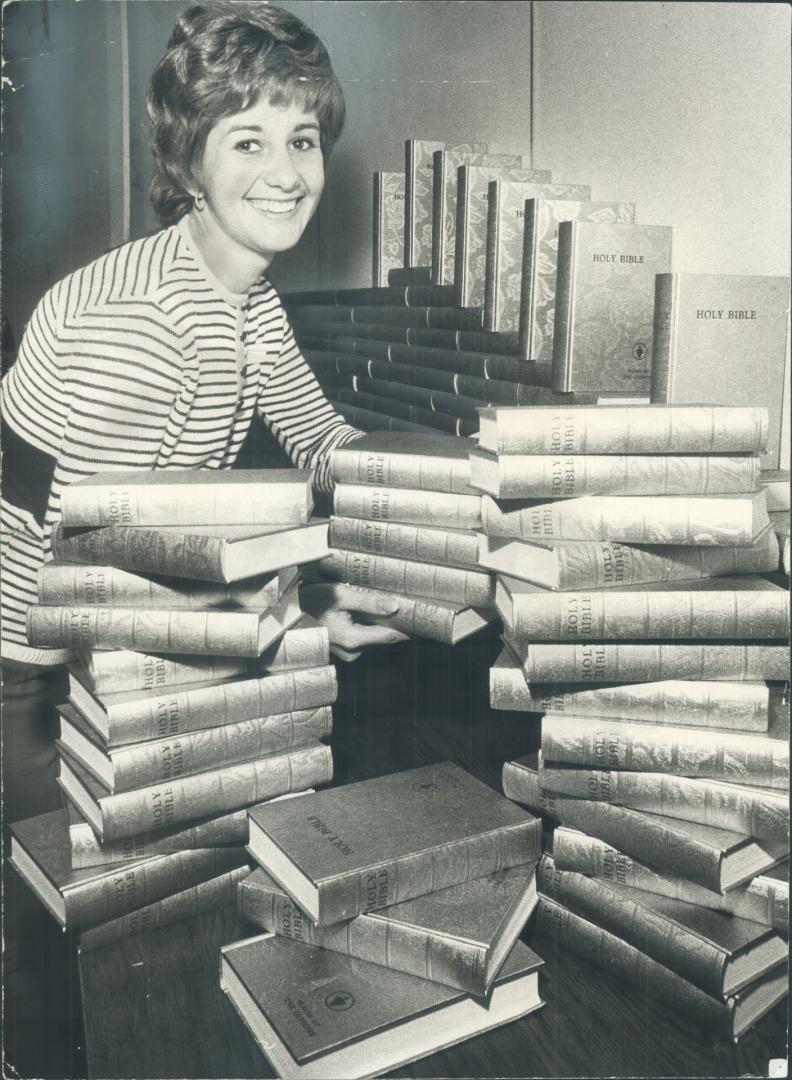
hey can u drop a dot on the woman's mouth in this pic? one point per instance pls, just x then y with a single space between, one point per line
275 207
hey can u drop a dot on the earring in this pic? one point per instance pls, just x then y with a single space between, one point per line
199 201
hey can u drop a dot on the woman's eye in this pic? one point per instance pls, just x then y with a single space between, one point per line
303 143
247 146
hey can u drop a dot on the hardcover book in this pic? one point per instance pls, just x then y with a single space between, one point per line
631 967
719 953
437 620
423 462
449 547
458 936
764 899
444 202
602 564
713 857
472 588
536 294
722 338
388 226
316 1013
375 843
602 337
189 497
776 485
507 229
418 169
408 505
40 853
472 213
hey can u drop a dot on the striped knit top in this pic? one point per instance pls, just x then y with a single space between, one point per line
142 360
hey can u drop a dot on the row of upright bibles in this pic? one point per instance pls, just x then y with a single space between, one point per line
198 688
650 630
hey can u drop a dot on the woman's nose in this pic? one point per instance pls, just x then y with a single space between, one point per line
279 170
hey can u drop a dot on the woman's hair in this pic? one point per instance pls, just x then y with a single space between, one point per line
221 58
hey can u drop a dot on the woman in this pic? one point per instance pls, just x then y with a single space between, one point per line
158 354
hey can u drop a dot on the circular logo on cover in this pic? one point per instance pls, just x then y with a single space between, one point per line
639 351
339 1001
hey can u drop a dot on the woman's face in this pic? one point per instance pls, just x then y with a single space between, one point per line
262 174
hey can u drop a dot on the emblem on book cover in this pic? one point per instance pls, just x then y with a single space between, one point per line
339 1001
639 351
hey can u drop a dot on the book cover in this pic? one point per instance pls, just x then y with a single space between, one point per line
40 853
423 462
444 202
458 936
722 338
536 295
472 213
377 842
449 547
625 429
189 497
602 338
388 226
471 588
776 485
418 189
316 1013
407 505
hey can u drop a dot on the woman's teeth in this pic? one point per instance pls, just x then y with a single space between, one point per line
274 206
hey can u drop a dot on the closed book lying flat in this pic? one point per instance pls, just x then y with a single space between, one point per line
448 547
764 899
40 852
138 715
222 553
458 936
189 497
715 858
357 1019
137 765
717 952
535 476
776 485
186 799
424 462
210 895
704 609
474 588
443 510
625 429
730 1018
437 620
603 564
304 645
407 834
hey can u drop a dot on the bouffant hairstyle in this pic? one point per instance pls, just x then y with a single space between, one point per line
221 58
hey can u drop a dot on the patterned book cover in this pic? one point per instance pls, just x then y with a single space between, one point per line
536 299
388 236
444 202
472 212
723 338
418 167
602 339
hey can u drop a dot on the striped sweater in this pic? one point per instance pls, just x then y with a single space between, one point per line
142 360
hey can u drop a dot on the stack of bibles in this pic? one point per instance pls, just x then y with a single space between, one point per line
392 910
200 687
404 527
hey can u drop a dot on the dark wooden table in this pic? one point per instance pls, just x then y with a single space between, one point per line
153 1006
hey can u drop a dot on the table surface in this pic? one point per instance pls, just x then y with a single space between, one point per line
153 1005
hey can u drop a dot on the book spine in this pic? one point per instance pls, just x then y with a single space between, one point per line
229 830
468 587
717 755
638 834
147 551
431 619
167 630
491 262
410 166
619 661
173 713
629 965
160 760
676 948
745 810
538 476
378 277
664 338
643 615
408 506
347 895
419 471
460 242
210 895
438 215
108 586
177 801
398 946
134 885
764 900
632 519
565 306
423 544
529 272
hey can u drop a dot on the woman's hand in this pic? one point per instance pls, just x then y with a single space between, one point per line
333 603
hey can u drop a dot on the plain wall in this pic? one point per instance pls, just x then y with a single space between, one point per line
683 108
